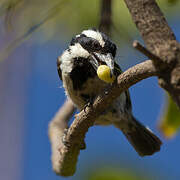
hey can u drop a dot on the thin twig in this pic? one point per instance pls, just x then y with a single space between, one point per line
76 133
145 51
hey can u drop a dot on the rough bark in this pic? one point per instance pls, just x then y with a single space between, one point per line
160 40
56 130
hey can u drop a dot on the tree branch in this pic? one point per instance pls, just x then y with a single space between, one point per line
160 41
76 133
56 130
145 51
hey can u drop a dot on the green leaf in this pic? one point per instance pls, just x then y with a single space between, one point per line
170 124
173 2
116 174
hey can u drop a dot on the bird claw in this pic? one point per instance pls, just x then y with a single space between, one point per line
89 104
83 145
64 141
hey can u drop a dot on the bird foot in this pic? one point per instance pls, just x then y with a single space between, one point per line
89 104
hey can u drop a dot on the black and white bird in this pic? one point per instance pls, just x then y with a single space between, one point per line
77 68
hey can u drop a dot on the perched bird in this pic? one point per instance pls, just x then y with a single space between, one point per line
77 68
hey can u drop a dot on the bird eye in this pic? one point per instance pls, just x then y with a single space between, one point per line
113 50
89 44
96 45
73 41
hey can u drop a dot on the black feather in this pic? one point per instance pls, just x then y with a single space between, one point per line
58 68
81 72
142 139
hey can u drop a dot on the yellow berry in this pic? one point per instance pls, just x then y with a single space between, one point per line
104 73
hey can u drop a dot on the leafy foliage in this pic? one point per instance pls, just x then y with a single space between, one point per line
115 174
171 121
51 17
21 16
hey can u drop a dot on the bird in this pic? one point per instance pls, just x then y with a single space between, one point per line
77 68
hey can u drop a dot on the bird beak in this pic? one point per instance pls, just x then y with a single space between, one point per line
99 59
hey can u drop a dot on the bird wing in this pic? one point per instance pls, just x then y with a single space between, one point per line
117 72
58 67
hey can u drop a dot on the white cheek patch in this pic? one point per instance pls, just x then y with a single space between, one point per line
66 62
68 56
78 35
78 51
96 35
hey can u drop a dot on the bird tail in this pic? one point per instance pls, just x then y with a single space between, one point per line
141 138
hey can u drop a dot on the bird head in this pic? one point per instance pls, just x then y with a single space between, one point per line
91 46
